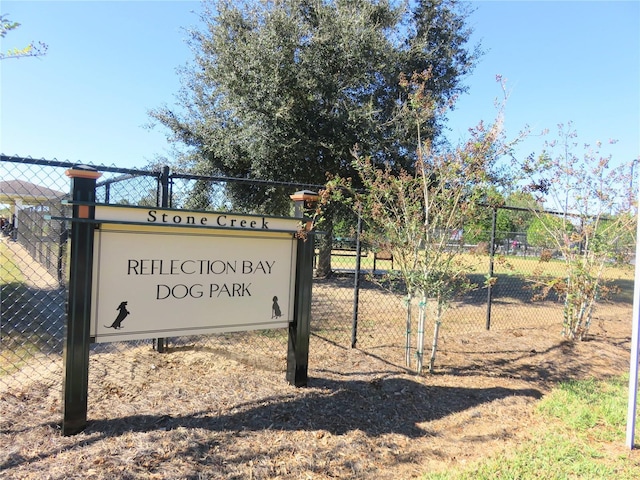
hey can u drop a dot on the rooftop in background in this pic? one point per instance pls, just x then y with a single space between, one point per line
27 192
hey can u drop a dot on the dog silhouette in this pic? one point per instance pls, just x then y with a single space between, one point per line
117 323
275 309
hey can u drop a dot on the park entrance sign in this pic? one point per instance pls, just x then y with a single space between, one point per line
145 272
179 276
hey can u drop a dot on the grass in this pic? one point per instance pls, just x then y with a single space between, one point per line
9 271
347 260
503 264
582 437
16 350
527 266
14 356
594 408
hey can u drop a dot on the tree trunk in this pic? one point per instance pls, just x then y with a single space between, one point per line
325 245
408 339
422 316
436 333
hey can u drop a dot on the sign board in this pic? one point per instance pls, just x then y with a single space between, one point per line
219 273
146 272
195 219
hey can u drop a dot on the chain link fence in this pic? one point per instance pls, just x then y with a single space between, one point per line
348 308
34 274
364 311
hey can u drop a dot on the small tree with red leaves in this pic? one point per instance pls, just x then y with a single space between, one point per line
595 209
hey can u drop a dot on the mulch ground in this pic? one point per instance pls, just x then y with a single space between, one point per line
206 413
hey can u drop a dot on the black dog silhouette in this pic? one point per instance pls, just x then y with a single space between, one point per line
117 323
275 309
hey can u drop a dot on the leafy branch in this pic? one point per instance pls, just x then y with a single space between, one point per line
34 49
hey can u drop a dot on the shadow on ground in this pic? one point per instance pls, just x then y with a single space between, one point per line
34 315
377 407
400 402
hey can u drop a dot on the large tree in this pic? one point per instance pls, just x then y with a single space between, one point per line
284 89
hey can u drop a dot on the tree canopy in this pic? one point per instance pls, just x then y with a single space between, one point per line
284 89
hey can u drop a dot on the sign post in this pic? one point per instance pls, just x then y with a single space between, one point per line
76 349
300 328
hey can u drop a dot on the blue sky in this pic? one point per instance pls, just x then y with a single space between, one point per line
109 62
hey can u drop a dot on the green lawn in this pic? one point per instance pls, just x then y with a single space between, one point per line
509 265
583 438
15 350
9 271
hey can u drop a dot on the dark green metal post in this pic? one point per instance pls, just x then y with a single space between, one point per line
492 252
356 284
76 349
300 328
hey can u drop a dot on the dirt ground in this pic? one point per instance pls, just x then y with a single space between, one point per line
208 414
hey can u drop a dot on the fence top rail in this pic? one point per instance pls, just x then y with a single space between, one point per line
540 211
187 176
130 172
120 178
67 164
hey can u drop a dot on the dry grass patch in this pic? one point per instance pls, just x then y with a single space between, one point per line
209 413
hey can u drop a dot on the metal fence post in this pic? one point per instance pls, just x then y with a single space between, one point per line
76 349
300 328
356 284
492 250
62 242
164 187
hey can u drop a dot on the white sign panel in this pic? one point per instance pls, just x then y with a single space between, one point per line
151 282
